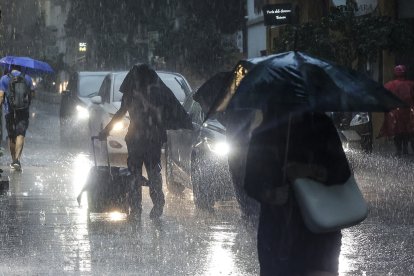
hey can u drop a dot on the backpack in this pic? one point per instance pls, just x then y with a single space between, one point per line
19 92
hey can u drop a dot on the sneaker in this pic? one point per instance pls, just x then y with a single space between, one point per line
16 165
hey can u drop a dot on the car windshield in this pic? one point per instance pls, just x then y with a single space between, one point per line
118 79
88 85
177 84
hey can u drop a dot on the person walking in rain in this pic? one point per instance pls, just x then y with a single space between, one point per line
152 109
16 89
399 122
285 246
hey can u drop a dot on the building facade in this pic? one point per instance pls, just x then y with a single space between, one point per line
261 37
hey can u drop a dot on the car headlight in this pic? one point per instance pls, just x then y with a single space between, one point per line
82 112
119 126
221 148
359 119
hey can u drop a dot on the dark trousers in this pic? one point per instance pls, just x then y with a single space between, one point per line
149 155
287 248
401 143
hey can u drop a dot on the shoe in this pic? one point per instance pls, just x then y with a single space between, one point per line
156 212
16 165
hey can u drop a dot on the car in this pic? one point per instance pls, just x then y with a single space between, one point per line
73 112
197 159
108 101
355 129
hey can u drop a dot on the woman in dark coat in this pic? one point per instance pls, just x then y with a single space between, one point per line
285 246
152 109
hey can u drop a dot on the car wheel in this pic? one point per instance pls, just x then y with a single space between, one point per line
172 186
366 143
203 195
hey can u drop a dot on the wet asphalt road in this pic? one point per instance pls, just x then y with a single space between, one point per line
43 231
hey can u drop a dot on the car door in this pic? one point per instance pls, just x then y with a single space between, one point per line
68 103
98 116
188 137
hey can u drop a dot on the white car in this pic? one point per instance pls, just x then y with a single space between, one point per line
104 106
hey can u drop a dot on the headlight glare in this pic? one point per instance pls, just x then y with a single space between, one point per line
82 112
221 148
118 126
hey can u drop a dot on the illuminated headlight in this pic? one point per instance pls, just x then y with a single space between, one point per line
118 126
83 113
359 119
221 148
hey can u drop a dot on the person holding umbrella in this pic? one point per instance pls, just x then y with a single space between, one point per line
16 89
291 138
152 109
285 245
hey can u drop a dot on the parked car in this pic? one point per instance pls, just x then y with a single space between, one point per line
75 99
197 159
107 102
355 129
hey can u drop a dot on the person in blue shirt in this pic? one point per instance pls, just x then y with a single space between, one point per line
17 121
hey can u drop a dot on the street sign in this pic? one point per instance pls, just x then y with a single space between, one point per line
277 14
359 7
82 46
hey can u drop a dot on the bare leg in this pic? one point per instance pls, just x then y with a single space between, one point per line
12 147
19 146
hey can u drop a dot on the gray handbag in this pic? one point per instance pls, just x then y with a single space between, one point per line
330 208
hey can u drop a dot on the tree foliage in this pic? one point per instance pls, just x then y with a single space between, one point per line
202 41
190 32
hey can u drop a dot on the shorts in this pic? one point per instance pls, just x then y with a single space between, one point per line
17 123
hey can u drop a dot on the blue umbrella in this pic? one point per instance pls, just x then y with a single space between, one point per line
31 65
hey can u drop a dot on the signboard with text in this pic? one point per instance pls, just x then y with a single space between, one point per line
358 7
278 14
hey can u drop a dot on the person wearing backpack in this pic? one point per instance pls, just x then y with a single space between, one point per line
15 94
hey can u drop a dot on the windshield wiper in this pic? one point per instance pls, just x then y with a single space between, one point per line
183 87
93 94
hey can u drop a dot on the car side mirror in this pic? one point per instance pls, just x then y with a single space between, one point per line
96 100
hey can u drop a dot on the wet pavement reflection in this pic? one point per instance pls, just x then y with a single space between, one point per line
44 231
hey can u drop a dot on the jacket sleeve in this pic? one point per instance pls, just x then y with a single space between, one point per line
263 170
119 114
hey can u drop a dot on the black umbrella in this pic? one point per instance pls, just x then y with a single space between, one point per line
161 98
297 80
210 90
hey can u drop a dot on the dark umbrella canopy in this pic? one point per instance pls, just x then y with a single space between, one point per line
31 65
297 80
171 113
210 90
